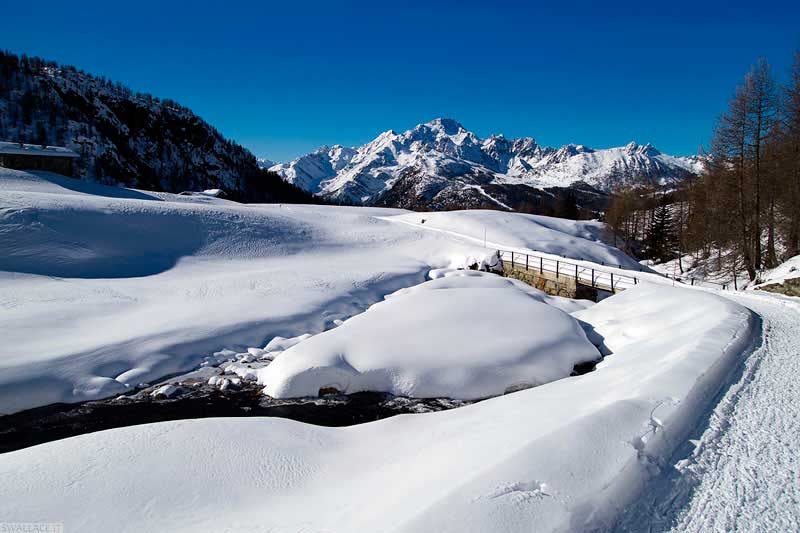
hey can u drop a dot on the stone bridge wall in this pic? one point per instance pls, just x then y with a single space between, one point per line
565 286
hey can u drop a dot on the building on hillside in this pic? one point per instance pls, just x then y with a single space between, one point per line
37 157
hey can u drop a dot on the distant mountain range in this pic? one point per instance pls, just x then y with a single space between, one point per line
442 165
138 140
127 138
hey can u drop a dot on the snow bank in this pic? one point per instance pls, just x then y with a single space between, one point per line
563 456
789 269
461 337
584 240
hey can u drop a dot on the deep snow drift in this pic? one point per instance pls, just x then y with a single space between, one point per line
104 288
462 337
563 456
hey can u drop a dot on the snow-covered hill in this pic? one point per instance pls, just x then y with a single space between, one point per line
124 137
440 164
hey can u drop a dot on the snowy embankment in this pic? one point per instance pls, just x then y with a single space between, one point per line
467 335
740 471
566 455
574 239
103 288
786 271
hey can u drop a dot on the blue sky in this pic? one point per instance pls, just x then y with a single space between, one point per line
284 78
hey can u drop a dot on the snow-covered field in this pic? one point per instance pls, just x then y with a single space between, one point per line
102 289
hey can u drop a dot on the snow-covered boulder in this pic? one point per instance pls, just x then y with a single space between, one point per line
463 337
166 391
490 262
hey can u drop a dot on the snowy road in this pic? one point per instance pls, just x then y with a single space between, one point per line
744 471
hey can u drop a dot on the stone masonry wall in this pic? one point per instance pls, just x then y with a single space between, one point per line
546 281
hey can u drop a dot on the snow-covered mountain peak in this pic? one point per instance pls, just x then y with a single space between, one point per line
442 155
651 150
263 162
448 126
648 149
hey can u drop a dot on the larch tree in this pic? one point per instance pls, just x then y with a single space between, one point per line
762 108
790 160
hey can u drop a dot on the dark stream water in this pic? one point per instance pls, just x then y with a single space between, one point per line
59 421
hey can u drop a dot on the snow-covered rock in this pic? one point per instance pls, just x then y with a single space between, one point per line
456 337
788 270
278 344
166 391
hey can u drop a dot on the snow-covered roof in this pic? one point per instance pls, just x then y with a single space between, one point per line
35 149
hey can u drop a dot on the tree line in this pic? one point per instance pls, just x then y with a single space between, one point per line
743 212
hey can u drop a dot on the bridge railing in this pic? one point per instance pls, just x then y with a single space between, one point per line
589 276
598 278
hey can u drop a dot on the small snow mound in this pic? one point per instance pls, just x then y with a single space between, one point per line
457 337
278 344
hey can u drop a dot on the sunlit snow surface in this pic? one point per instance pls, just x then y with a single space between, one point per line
104 288
566 455
462 337
575 239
